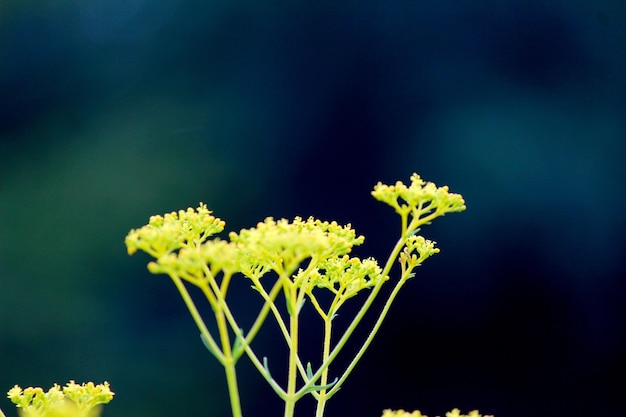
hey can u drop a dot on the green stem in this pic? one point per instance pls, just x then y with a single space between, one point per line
229 365
291 397
269 305
369 339
197 318
224 355
359 316
407 229
245 340
323 397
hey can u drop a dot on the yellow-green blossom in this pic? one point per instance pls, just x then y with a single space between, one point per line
457 413
422 200
73 400
282 245
402 413
34 401
188 264
272 245
454 413
345 276
423 247
87 396
416 250
175 230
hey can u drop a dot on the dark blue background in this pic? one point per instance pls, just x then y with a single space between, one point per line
111 111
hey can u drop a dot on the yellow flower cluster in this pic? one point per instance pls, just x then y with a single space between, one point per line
345 276
416 250
422 200
72 400
179 243
307 256
282 246
175 230
402 413
454 413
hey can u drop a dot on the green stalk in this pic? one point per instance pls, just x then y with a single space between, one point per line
291 397
407 229
359 316
224 355
197 318
369 339
323 397
269 305
229 363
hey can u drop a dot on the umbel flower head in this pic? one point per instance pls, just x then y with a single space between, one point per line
178 241
175 230
282 245
344 277
73 400
454 413
422 200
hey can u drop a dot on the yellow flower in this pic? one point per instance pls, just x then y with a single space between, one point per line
346 276
175 230
454 413
402 413
420 199
282 245
15 393
457 413
72 401
87 396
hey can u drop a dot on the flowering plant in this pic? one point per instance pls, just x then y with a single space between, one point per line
308 260
295 260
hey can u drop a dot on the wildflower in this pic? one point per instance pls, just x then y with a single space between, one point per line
454 413
175 230
402 413
457 413
414 246
422 200
282 245
345 276
73 400
87 396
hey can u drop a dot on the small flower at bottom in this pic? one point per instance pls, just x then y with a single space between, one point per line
402 413
72 401
454 413
88 395
457 413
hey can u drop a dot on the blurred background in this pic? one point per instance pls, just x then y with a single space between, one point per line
111 111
